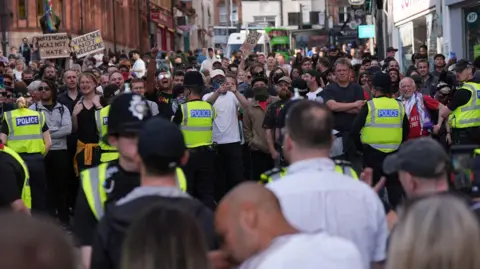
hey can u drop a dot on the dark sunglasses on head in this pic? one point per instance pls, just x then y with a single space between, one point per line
43 88
259 74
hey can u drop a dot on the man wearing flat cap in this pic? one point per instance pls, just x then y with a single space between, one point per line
379 129
463 112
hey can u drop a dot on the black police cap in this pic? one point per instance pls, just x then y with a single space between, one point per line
127 114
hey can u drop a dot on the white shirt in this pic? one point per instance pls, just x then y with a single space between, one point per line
313 95
307 251
225 127
316 198
139 65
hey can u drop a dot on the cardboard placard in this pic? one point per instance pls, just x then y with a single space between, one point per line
251 41
52 46
88 44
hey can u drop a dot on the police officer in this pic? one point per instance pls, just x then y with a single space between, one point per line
379 129
108 153
112 181
26 132
159 156
195 118
14 188
463 112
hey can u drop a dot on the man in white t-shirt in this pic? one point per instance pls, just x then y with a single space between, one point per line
256 235
226 130
313 79
139 68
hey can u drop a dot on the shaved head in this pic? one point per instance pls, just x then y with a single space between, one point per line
247 219
407 87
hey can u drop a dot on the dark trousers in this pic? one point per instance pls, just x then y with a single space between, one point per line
200 173
229 168
71 178
374 159
57 171
38 181
261 162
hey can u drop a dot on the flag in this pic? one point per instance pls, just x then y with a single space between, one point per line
49 21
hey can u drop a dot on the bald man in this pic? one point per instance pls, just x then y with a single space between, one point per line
256 235
419 108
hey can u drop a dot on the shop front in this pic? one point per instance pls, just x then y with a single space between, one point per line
414 22
165 31
462 29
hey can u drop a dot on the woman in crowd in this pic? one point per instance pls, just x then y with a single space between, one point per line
153 242
365 80
395 79
83 120
296 73
436 232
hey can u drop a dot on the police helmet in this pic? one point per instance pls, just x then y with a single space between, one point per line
127 114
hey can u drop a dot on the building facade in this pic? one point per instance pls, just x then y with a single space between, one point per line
162 26
461 28
123 24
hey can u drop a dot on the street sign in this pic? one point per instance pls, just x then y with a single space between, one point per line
366 31
356 2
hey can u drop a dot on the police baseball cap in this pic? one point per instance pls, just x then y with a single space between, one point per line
381 81
163 141
127 114
421 157
462 65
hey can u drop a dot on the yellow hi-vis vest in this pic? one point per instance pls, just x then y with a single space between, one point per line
197 123
26 192
341 167
25 130
383 126
109 153
468 115
93 181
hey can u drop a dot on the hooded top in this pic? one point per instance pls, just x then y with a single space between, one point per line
208 62
121 214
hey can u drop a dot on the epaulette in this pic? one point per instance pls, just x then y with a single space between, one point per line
273 171
342 163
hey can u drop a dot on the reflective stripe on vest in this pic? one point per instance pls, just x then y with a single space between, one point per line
197 123
108 153
26 191
93 181
383 125
341 169
467 115
25 130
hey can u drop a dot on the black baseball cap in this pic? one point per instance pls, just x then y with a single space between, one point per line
462 65
381 81
128 112
259 78
162 140
390 49
422 157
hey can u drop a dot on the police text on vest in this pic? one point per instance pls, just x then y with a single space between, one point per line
387 113
28 120
200 113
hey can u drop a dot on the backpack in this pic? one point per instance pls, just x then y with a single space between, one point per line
61 109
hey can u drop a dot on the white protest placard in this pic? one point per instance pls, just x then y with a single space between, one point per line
52 46
250 41
88 44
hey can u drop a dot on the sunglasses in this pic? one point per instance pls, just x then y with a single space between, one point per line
43 89
162 76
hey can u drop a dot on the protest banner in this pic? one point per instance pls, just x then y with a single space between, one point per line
88 44
52 46
250 41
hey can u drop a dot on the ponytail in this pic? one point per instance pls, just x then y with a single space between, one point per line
22 103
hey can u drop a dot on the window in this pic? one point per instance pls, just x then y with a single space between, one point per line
472 27
222 14
293 18
264 19
22 10
40 7
314 17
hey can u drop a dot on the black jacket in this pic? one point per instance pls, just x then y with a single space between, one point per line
108 239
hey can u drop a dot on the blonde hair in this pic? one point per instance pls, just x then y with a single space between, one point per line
22 103
89 75
437 232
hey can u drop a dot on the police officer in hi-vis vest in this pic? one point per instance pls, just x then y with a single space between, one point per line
113 180
379 129
463 112
195 118
108 153
15 187
25 131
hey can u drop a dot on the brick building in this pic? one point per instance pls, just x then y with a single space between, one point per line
123 23
223 10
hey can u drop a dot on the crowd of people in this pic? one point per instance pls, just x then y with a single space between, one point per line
154 161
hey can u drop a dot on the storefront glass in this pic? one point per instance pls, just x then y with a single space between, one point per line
472 27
